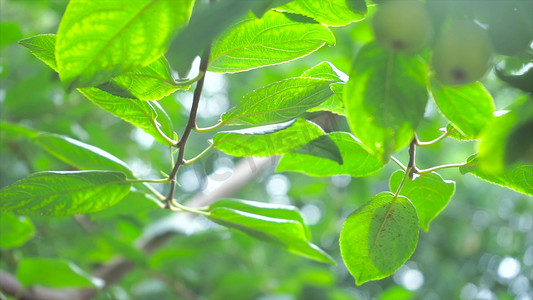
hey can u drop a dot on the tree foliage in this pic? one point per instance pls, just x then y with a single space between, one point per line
133 59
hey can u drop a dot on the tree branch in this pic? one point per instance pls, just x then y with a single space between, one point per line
112 272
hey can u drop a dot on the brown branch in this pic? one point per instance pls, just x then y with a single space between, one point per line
191 125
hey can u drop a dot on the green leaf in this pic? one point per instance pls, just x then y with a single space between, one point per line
80 155
273 39
207 22
469 107
379 237
267 140
271 210
10 33
42 46
357 161
323 70
279 102
429 193
385 98
150 117
17 130
328 12
149 83
518 177
335 103
497 140
322 147
64 193
53 273
15 230
454 133
279 225
98 40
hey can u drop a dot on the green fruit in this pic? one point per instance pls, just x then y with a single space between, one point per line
509 32
403 25
462 53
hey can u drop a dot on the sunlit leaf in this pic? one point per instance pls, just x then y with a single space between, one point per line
468 107
278 102
278 225
323 70
328 12
429 193
98 40
14 230
53 273
150 117
64 193
385 98
273 39
267 140
379 237
357 161
517 177
335 103
80 155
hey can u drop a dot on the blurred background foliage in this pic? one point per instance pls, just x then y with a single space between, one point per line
480 247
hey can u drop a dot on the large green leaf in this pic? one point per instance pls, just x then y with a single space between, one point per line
335 103
281 225
273 39
53 273
323 70
64 193
357 161
328 12
80 155
379 237
278 102
468 107
150 117
14 230
385 98
518 177
98 40
429 193
267 140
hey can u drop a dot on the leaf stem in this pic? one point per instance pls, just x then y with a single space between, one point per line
394 159
191 124
186 82
162 180
175 206
448 166
410 170
211 128
433 142
192 160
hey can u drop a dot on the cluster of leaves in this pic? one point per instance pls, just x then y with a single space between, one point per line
112 52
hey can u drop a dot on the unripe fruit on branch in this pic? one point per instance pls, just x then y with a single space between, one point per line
462 53
403 25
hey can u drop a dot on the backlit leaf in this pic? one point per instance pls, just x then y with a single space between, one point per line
150 117
357 162
385 98
429 193
379 237
267 140
321 147
278 102
469 107
98 40
265 222
517 177
328 12
80 155
64 193
273 39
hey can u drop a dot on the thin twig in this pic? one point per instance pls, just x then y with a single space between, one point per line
210 128
432 142
448 166
399 163
191 124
